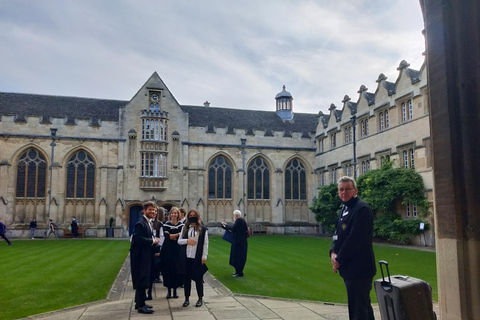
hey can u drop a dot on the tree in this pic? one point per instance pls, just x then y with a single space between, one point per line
327 207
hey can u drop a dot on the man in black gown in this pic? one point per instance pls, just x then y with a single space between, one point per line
141 256
238 250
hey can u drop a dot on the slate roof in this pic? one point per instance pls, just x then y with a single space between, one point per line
22 105
250 119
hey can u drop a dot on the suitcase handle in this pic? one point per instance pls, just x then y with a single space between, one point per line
385 263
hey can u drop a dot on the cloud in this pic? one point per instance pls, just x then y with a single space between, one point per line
234 54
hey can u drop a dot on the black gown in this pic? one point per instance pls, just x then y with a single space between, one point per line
170 263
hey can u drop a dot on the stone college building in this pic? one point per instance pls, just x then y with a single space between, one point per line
99 159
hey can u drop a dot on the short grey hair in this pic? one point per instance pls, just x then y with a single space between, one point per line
237 212
347 179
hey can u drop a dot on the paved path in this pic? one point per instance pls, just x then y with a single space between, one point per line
219 304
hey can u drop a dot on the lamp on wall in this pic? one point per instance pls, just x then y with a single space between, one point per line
53 134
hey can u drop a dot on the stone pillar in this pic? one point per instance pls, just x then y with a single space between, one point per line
453 58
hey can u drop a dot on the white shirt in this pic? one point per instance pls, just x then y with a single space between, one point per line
191 250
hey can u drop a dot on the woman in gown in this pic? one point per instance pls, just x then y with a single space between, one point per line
170 262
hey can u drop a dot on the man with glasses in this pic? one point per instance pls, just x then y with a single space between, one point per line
352 251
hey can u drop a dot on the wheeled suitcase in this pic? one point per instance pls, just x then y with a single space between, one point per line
403 297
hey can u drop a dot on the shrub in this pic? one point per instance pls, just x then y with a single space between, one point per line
391 227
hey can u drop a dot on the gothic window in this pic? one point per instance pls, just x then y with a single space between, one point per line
408 158
258 179
411 210
410 110
295 181
384 120
320 144
348 134
365 166
81 176
364 128
220 179
154 129
407 110
31 175
322 178
349 170
333 140
154 165
334 175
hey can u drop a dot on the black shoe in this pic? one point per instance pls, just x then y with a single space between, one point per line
175 295
169 295
146 310
237 275
149 298
199 303
186 303
157 281
146 305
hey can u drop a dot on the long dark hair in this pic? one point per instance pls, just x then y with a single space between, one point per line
198 227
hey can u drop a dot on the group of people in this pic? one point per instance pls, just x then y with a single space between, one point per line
52 228
177 248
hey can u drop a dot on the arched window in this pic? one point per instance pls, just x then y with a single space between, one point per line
31 175
295 181
81 176
220 178
258 179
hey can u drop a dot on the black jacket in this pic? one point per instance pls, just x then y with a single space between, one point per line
141 254
354 243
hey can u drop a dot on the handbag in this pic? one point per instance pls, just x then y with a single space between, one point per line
228 236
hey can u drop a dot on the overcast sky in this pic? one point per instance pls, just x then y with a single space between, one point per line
235 54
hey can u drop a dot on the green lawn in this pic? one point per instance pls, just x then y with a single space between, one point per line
39 276
298 267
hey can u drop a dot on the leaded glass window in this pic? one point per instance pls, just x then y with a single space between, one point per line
31 175
220 178
81 176
295 181
258 179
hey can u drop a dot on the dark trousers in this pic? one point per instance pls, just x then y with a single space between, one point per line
5 237
50 232
359 304
189 276
140 297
